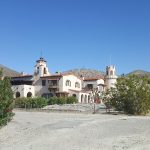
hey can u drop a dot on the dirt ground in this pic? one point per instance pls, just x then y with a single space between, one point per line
74 131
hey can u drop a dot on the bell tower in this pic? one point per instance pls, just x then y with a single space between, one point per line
111 77
41 68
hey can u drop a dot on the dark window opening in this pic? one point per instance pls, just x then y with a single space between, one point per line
90 86
43 82
74 95
17 94
21 82
53 83
107 72
29 94
82 98
45 72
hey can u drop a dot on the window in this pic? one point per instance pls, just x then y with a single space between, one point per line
107 72
111 72
90 86
68 83
89 99
17 94
43 82
77 85
29 94
82 98
74 95
45 72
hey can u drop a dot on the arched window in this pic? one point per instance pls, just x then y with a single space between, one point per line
17 94
68 83
111 72
29 94
74 95
45 72
77 85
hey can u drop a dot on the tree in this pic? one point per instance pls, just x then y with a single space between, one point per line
96 95
6 100
132 94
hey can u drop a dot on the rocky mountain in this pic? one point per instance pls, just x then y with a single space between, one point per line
90 73
87 73
8 72
140 73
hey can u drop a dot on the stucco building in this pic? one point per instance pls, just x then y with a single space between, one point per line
43 83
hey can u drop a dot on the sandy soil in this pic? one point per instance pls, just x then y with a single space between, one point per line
64 131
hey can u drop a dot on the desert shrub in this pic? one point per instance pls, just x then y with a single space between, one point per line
37 102
6 100
131 95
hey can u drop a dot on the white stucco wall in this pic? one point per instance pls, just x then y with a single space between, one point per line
23 90
73 79
110 82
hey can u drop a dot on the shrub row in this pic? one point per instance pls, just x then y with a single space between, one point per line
39 102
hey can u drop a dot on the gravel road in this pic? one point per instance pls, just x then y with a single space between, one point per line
74 131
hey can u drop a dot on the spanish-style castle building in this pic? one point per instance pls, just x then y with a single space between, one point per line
43 83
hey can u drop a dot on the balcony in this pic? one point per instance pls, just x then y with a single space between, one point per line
54 86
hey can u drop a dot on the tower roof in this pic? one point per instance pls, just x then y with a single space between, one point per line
41 60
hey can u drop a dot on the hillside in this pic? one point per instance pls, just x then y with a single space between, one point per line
87 73
9 72
140 73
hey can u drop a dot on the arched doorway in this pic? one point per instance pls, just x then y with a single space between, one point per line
17 94
85 99
74 95
29 94
89 99
82 98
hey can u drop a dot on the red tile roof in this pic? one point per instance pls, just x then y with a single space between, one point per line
23 76
59 76
92 79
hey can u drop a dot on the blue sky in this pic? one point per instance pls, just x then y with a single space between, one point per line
75 34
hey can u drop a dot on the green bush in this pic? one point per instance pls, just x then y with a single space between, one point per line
6 100
131 95
71 100
62 100
52 101
37 102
